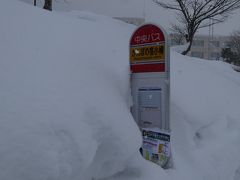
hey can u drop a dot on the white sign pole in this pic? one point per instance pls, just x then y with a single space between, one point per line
150 87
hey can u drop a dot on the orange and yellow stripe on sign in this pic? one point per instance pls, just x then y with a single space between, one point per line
147 53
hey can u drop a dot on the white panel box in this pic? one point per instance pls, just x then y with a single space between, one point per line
149 111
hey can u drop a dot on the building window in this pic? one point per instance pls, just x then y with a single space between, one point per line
215 43
197 54
227 44
198 43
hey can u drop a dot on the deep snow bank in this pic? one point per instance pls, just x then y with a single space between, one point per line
205 124
64 109
64 104
205 118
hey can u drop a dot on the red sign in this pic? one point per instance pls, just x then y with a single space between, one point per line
148 33
147 49
153 67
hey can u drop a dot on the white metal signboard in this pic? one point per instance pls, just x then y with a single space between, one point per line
150 86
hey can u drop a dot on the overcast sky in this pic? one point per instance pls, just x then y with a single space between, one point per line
139 8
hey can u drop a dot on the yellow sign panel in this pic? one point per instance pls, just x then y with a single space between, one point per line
147 53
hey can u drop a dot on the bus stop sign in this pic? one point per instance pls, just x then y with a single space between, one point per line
150 88
147 49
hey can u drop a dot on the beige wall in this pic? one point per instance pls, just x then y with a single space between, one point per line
208 47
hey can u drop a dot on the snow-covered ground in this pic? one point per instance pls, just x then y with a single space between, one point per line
65 98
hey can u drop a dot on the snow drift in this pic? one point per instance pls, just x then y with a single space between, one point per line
64 104
64 96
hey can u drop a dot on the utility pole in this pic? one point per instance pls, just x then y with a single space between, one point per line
209 34
210 37
144 10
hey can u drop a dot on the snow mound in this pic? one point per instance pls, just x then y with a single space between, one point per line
65 99
205 117
64 108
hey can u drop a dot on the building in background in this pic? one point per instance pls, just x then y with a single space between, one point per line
207 47
132 20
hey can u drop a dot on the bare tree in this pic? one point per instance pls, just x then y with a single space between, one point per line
178 34
235 46
231 54
48 5
196 14
235 41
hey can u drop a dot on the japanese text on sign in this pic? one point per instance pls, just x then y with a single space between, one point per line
147 38
147 53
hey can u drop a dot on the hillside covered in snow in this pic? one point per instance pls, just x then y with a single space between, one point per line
65 100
